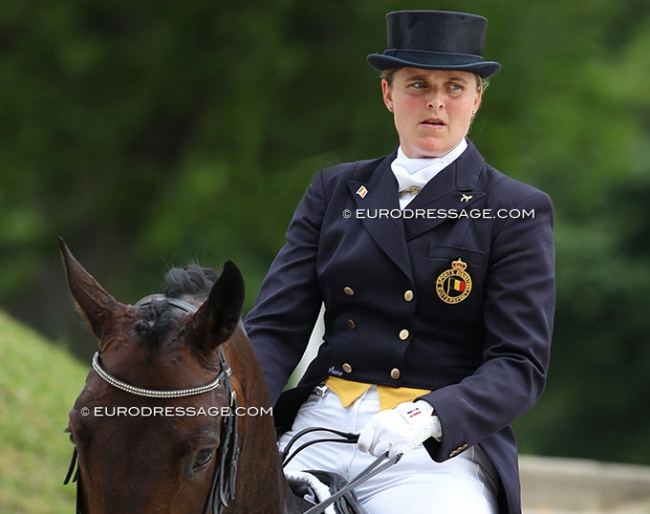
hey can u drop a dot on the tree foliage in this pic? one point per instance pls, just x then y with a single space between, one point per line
153 133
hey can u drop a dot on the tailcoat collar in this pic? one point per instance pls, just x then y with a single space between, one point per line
446 191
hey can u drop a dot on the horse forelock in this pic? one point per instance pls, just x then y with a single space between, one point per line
192 282
155 323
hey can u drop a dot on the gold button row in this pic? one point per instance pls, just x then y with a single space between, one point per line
395 373
458 450
408 294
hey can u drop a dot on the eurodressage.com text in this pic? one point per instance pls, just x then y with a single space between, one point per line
171 412
439 214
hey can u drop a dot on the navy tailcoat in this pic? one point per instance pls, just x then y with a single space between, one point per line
397 314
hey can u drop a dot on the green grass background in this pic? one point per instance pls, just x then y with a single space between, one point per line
39 383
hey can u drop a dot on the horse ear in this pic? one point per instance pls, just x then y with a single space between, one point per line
219 315
94 303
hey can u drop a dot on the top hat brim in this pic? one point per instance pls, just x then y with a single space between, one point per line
434 61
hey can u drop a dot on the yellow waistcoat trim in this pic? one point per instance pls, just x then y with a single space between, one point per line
349 392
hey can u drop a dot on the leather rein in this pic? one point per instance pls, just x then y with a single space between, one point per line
225 470
376 466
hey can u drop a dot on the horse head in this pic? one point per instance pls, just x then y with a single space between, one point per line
150 420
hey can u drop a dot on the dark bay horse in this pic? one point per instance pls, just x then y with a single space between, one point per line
150 422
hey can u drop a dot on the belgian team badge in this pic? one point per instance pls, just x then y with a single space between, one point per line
455 284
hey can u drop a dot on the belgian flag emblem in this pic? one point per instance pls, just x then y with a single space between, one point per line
455 284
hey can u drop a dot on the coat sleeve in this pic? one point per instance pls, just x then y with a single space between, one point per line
289 300
519 305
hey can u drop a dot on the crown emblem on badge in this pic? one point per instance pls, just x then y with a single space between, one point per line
459 265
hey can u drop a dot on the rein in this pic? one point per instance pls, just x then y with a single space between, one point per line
222 489
377 466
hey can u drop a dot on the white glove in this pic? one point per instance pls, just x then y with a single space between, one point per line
400 429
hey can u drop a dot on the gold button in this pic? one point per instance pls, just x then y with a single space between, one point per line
395 374
351 324
348 291
404 334
347 368
458 450
408 295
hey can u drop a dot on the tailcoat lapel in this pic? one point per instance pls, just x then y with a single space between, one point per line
452 190
387 231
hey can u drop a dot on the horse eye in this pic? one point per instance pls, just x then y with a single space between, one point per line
202 459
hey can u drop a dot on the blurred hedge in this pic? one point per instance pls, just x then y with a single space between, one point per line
149 134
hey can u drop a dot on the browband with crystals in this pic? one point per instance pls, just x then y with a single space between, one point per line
157 393
161 393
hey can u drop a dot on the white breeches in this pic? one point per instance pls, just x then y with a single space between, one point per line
416 484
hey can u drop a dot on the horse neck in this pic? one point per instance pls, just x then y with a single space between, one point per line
259 461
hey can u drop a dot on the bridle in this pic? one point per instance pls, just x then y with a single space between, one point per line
225 470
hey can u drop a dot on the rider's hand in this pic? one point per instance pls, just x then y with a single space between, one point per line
400 429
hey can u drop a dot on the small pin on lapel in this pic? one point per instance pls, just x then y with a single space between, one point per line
362 191
413 190
466 198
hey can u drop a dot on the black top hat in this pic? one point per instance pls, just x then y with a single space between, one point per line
440 40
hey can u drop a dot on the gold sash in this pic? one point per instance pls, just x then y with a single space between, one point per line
349 392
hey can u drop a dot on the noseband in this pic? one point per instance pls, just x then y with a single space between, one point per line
225 470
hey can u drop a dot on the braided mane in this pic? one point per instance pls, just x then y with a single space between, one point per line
192 281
